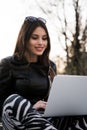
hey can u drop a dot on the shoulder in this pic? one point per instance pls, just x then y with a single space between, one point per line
6 60
5 66
12 61
53 65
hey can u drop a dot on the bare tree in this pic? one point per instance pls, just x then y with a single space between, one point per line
78 48
75 39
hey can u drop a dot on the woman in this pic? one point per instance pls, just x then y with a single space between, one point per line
25 81
25 78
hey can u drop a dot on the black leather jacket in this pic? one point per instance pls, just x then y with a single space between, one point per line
29 80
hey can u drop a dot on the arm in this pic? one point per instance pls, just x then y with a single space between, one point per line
42 104
5 81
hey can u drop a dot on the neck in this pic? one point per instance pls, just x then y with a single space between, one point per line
30 58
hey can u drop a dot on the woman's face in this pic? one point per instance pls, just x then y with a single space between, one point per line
37 42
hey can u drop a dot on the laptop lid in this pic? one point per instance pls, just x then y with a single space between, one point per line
68 96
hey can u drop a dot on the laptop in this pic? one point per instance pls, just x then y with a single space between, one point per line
68 96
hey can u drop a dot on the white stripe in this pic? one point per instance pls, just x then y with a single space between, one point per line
77 126
10 104
50 128
85 122
19 108
35 128
26 109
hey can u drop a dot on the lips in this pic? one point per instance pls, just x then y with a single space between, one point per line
39 48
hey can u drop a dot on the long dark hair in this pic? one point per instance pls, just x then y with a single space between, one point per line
29 25
24 35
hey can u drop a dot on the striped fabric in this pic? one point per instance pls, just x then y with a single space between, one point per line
18 115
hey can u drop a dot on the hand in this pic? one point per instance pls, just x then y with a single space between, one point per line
40 105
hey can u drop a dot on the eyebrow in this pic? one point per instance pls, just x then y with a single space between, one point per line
38 35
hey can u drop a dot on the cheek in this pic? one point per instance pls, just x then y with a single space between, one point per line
30 44
46 44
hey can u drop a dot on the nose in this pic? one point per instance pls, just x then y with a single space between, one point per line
40 41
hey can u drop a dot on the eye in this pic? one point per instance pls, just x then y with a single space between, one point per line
44 38
34 37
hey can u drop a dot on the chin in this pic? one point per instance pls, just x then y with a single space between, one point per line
39 54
